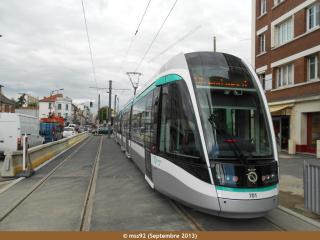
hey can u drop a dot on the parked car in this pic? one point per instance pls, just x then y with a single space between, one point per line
102 130
69 131
82 129
51 131
75 126
13 126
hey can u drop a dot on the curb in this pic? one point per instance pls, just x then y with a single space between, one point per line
297 215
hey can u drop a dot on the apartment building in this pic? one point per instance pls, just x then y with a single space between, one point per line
285 56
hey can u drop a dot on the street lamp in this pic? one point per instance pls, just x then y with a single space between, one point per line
50 99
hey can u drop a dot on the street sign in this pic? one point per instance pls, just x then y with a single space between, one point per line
109 122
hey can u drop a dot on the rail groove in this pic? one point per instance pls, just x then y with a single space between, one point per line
188 216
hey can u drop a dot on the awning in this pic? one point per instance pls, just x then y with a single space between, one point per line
278 107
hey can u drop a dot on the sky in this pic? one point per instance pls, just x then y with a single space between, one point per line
44 44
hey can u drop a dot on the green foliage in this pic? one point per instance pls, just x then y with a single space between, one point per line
33 104
17 104
22 100
104 114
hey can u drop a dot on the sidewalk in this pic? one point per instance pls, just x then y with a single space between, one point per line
291 182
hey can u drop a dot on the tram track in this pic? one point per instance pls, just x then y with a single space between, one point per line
87 210
190 219
40 183
198 227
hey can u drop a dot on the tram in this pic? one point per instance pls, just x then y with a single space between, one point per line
201 132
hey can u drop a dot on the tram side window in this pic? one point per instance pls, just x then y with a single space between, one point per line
119 123
179 137
148 117
134 121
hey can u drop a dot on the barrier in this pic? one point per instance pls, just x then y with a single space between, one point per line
311 177
13 162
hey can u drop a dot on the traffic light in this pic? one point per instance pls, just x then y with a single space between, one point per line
91 104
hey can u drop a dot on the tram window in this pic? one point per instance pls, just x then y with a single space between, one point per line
179 137
148 117
165 91
134 121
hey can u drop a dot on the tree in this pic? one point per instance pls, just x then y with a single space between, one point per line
104 114
33 104
22 100
17 104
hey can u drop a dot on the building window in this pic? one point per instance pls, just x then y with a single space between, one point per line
67 107
59 114
313 17
277 2
59 106
313 67
262 43
263 7
263 80
285 32
285 75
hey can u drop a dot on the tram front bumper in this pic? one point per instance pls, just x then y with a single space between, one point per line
233 208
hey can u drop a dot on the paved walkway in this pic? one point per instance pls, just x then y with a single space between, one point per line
291 171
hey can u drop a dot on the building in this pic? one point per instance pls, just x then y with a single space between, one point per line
285 55
7 105
63 107
56 105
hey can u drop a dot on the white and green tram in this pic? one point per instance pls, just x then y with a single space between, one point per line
201 132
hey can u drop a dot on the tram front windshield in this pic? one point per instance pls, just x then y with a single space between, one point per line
229 98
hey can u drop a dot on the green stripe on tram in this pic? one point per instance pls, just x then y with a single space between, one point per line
231 189
158 82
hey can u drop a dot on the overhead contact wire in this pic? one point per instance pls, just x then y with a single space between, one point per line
132 41
153 41
85 21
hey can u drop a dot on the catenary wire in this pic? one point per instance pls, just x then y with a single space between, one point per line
152 41
94 73
131 42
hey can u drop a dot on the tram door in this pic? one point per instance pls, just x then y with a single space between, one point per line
151 128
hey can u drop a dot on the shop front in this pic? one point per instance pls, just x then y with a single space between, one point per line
281 124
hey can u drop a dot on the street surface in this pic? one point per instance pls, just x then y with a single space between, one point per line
122 200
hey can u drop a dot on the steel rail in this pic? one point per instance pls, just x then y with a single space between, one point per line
188 216
84 224
38 185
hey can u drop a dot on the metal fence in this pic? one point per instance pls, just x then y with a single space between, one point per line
311 174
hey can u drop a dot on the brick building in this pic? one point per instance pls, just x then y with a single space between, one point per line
285 55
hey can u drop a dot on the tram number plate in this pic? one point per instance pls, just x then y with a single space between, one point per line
253 195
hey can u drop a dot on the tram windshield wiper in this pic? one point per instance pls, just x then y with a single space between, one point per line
236 150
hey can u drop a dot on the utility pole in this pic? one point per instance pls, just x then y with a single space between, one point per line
115 103
109 114
0 98
214 44
99 109
134 85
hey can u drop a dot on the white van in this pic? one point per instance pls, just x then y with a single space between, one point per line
12 128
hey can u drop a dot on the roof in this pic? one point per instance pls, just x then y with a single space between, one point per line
5 100
52 98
